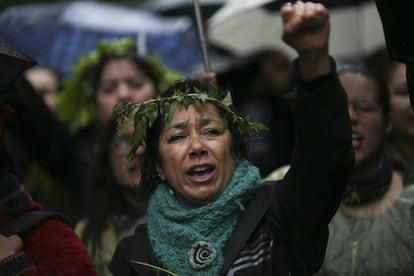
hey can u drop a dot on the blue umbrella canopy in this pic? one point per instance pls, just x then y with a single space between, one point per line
57 34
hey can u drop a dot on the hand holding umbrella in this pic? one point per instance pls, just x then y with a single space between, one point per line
306 29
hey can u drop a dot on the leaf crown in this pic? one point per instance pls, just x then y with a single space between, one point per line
143 114
76 100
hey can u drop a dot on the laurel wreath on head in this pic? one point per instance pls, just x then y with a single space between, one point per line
75 102
143 115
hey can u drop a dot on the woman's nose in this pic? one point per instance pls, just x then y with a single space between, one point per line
353 115
197 147
124 92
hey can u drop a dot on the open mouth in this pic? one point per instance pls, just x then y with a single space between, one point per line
356 140
200 173
356 137
133 168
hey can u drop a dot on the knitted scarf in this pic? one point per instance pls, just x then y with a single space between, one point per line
190 241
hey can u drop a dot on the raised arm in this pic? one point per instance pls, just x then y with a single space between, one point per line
323 157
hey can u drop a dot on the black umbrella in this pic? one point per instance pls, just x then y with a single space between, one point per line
12 63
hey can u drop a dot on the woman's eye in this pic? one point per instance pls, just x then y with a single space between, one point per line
401 92
107 90
212 132
136 84
176 137
121 143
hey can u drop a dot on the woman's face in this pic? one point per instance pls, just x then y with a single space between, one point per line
368 123
402 115
127 176
195 155
121 80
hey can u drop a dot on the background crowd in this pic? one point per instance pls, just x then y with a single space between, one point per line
67 154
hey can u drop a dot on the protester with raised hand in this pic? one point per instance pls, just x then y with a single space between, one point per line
209 211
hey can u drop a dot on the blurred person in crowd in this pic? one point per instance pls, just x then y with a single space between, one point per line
399 145
262 83
371 234
208 212
32 242
44 188
110 74
400 142
115 203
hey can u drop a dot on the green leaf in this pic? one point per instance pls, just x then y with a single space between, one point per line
145 115
228 101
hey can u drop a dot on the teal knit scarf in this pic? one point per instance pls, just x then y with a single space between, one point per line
190 241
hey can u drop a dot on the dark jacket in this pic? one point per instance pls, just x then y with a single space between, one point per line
50 246
284 229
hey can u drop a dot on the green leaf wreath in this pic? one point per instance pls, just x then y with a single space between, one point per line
143 115
75 102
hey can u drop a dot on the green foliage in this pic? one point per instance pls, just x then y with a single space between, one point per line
76 104
142 115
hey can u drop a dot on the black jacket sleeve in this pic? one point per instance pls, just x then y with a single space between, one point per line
322 159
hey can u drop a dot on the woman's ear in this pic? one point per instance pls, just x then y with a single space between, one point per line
160 173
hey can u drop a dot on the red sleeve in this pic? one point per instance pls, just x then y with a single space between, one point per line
56 249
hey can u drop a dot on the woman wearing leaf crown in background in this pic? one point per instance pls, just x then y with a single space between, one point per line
111 74
208 212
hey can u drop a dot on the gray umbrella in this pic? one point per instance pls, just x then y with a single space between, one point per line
248 26
12 63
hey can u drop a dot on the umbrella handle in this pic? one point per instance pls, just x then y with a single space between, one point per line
206 60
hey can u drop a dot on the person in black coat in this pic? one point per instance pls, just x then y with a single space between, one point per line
209 212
